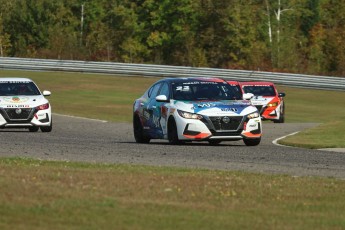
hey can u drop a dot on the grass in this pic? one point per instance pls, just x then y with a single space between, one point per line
37 194
89 95
316 106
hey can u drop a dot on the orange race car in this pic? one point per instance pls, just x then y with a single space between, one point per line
266 98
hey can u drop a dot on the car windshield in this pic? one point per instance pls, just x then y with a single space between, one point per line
205 90
18 88
260 90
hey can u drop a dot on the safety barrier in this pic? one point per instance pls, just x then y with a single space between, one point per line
147 70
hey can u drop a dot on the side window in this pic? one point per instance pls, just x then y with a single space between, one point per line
164 90
154 90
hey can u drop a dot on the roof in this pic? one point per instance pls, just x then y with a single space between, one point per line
186 79
258 83
6 79
232 82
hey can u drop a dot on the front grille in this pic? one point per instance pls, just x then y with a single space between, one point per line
226 122
18 113
229 134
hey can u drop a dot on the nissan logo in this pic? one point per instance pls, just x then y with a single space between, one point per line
226 119
18 111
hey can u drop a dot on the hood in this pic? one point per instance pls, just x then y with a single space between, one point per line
261 100
216 108
22 101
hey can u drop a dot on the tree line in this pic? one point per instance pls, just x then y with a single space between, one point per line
301 36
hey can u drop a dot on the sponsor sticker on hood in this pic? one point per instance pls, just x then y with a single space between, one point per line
21 101
260 100
16 99
221 106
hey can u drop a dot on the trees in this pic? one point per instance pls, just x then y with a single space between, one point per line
5 42
284 35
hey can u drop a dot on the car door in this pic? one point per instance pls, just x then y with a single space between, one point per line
153 125
161 109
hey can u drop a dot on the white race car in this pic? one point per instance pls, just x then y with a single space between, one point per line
22 105
196 109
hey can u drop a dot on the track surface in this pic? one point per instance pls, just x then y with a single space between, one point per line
84 140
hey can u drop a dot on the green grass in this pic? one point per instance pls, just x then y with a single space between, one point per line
316 106
42 194
89 95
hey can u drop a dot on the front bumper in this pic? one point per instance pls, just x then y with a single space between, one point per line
24 117
219 128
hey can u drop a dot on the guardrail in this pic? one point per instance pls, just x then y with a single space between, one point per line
294 80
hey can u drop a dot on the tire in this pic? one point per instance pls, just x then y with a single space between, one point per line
33 129
138 131
214 142
47 129
172 133
252 142
281 115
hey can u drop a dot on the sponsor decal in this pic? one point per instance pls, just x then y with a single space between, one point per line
15 81
200 83
223 107
240 103
183 88
204 105
146 115
18 106
155 121
229 109
41 115
257 98
164 111
16 99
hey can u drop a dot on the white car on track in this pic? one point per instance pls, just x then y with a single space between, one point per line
196 109
22 105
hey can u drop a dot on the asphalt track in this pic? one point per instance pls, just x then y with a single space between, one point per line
85 140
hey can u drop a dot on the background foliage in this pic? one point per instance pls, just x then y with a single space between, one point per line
305 36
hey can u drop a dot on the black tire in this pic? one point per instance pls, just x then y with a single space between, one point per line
252 142
47 129
172 133
282 115
214 142
139 134
34 129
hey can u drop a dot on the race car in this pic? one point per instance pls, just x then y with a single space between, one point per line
196 109
22 105
266 98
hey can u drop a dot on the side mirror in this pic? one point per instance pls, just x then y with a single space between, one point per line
248 96
281 94
46 93
162 98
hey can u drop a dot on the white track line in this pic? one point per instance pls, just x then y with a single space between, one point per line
84 118
275 142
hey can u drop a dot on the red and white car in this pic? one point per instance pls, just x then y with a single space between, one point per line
267 99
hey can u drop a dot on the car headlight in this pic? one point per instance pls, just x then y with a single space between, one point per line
272 104
253 115
189 115
43 107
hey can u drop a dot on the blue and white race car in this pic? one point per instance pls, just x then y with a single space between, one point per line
196 109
